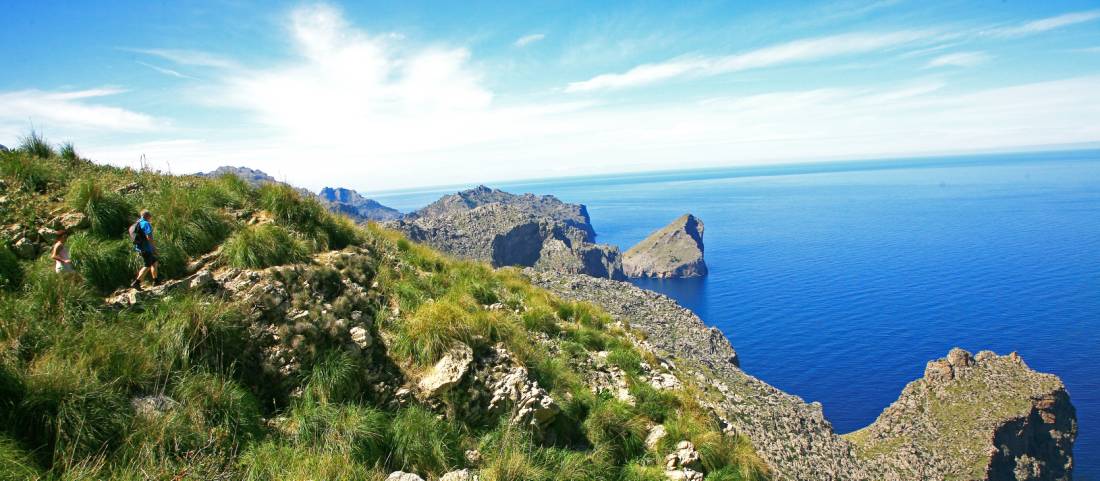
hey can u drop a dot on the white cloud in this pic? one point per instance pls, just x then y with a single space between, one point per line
804 50
68 111
959 59
1045 24
166 71
193 58
528 39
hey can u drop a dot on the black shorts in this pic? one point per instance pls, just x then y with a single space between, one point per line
149 258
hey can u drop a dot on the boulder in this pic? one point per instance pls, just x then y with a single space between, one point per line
403 476
675 250
74 220
448 371
151 406
361 337
459 475
684 464
656 434
25 249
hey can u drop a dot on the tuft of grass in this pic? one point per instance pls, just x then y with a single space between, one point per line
616 431
434 328
256 247
424 443
334 377
37 145
227 410
271 461
110 214
361 432
68 152
30 173
105 264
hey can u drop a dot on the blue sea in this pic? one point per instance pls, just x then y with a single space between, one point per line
839 281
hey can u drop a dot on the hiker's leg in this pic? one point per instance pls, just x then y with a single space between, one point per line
141 273
153 270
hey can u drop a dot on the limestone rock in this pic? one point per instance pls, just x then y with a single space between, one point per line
656 434
513 230
74 220
150 406
459 475
403 476
448 371
684 463
675 250
983 417
361 337
25 249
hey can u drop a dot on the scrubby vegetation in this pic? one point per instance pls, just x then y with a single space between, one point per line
172 389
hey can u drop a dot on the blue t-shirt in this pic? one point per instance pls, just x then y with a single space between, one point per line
147 228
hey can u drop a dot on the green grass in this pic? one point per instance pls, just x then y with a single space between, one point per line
110 214
37 145
256 247
70 368
11 272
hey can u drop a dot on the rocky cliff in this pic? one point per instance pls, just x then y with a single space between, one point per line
982 418
513 230
354 205
675 250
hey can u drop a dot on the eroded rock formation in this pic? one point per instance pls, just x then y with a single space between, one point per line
675 250
514 230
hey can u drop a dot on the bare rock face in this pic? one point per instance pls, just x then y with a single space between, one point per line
675 250
506 229
983 417
354 205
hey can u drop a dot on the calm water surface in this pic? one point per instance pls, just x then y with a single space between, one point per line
839 282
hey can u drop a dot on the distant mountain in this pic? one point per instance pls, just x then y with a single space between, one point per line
350 203
254 177
340 200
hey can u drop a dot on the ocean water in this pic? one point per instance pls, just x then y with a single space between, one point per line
838 282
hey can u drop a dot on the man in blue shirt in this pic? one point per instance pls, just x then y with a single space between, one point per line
142 235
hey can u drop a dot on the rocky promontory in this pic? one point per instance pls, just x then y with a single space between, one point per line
506 229
675 250
986 417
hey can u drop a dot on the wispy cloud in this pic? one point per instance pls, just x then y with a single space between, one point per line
188 57
528 39
805 50
1045 24
166 71
69 110
959 59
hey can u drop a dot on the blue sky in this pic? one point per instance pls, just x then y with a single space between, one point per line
387 95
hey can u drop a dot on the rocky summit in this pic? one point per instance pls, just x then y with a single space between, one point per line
985 417
675 250
354 205
506 229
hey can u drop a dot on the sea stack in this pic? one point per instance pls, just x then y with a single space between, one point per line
675 250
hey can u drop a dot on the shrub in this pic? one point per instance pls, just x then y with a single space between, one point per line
110 214
105 264
37 145
11 273
423 443
30 173
68 152
260 246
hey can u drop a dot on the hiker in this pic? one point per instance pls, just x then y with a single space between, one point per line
141 233
63 263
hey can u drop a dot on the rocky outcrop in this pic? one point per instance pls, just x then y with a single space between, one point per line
976 417
676 250
253 177
359 208
513 230
1000 420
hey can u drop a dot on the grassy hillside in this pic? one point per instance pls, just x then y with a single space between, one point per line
174 389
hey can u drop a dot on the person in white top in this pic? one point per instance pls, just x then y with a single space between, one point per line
63 263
